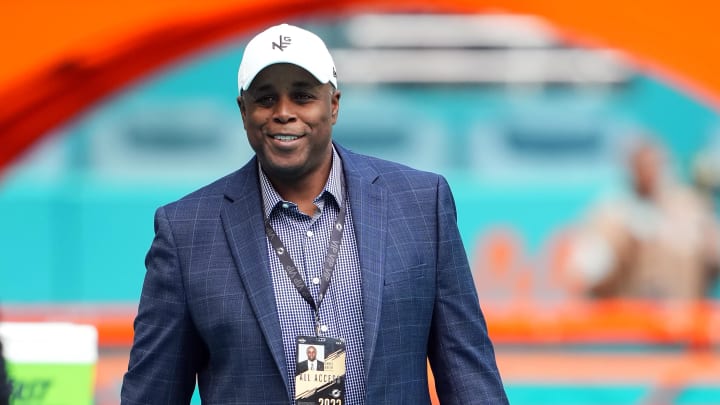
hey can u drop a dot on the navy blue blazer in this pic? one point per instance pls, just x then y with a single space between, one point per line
207 309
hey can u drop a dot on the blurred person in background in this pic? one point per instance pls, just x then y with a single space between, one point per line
308 243
659 239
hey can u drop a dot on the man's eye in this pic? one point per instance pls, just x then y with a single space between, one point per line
265 100
303 97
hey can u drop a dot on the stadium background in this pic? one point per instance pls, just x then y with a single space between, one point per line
525 152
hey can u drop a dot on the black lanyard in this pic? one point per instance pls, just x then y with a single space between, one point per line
328 264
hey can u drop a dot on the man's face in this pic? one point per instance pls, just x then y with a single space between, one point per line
311 353
646 169
288 116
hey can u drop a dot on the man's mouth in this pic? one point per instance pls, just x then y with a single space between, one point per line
285 138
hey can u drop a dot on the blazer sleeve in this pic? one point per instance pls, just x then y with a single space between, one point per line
460 352
5 387
167 351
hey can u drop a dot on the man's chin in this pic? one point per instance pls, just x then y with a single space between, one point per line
283 170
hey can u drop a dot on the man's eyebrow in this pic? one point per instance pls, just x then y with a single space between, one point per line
263 88
304 85
295 85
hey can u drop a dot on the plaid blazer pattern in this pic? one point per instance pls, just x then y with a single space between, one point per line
207 309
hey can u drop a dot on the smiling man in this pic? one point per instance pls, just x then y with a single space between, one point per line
288 117
308 245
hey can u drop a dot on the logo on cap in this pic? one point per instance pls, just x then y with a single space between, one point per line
284 42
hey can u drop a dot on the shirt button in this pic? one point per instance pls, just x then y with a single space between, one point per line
323 328
310 234
316 280
286 205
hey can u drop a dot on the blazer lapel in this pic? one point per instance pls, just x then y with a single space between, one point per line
243 222
369 210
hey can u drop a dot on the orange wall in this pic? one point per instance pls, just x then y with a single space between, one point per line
676 38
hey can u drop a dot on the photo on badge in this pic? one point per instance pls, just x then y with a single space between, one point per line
320 371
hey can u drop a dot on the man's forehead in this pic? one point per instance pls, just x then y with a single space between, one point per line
284 74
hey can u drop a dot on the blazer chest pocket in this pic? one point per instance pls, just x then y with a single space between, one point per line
404 275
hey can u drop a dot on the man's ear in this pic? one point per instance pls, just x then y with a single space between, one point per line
241 105
335 105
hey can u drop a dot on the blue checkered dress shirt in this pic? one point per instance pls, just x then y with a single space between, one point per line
306 239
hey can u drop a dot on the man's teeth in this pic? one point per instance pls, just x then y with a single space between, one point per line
285 137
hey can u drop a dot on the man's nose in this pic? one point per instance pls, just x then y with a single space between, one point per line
284 111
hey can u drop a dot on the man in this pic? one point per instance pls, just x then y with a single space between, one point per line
312 363
308 243
658 240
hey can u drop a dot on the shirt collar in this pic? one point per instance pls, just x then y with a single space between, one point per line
334 186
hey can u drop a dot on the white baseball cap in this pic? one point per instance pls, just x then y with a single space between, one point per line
286 44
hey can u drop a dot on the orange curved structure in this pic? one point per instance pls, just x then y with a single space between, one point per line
61 57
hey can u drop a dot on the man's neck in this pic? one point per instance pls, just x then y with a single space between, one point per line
302 191
304 197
